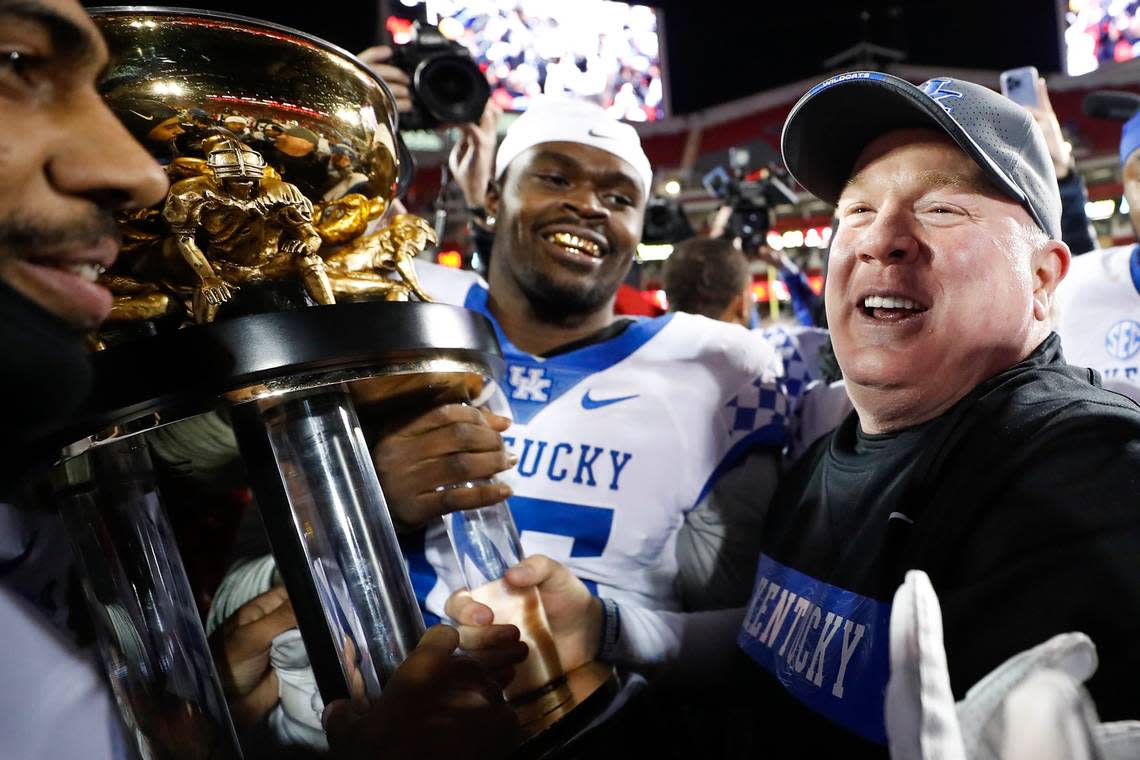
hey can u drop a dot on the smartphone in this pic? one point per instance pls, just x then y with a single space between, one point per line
1020 86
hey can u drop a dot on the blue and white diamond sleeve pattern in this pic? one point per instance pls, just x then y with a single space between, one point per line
759 413
798 349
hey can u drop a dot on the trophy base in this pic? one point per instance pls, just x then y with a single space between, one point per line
541 706
551 717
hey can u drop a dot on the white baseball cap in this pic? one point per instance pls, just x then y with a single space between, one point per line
552 119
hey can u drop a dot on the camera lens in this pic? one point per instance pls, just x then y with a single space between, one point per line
452 88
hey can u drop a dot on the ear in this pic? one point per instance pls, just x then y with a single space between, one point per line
1050 265
491 199
735 311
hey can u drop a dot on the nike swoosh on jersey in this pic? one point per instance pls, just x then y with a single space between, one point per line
591 403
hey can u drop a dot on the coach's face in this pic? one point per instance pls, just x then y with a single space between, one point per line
66 163
936 280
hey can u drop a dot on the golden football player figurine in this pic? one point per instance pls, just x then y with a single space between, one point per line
361 267
229 220
256 228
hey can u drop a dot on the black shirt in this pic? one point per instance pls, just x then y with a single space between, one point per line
1022 504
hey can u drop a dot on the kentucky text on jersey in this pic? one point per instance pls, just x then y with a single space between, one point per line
617 440
827 646
583 463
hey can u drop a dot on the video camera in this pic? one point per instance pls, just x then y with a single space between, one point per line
448 87
750 195
665 222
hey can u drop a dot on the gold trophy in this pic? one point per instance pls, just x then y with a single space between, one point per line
281 151
273 288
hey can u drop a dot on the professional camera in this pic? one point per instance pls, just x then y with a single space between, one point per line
448 87
665 222
750 195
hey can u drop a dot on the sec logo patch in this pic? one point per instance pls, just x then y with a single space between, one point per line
1123 340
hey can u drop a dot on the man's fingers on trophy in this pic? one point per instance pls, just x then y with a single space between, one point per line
253 706
497 635
426 661
339 718
442 416
495 647
534 571
439 638
433 504
469 497
502 676
461 467
242 644
461 437
260 606
496 421
256 636
473 466
462 608
467 684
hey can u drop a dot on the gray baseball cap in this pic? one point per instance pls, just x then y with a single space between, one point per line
831 125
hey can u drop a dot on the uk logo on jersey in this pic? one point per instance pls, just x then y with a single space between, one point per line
1123 340
529 383
939 91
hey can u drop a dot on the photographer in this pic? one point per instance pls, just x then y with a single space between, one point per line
378 58
745 218
472 158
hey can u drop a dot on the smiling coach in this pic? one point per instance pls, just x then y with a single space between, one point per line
975 452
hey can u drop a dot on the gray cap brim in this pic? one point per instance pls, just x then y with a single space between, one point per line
831 125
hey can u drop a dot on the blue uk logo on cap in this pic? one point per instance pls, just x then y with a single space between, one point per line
939 91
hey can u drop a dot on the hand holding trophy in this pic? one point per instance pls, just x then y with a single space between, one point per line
260 287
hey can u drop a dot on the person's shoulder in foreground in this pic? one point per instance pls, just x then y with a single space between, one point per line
717 344
448 285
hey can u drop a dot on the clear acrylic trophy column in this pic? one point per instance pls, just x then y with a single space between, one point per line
149 635
486 543
324 511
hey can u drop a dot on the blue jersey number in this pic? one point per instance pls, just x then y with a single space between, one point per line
589 526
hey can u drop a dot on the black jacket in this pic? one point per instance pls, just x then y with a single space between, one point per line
1022 504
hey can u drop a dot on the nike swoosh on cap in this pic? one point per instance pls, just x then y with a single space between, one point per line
594 132
592 403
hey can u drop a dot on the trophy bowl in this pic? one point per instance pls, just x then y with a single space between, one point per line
282 160
317 114
281 151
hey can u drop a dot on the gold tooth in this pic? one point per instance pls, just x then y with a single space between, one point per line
586 246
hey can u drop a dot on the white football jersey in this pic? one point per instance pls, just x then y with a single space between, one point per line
1097 314
616 441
